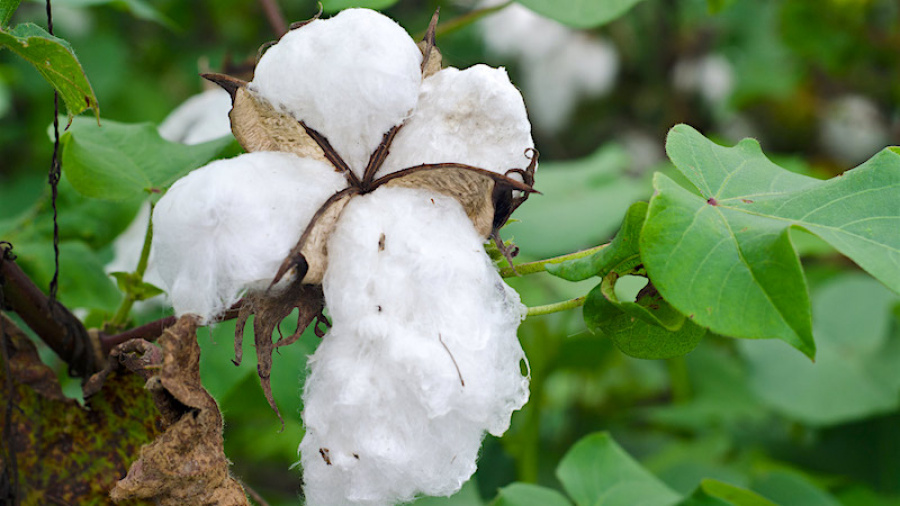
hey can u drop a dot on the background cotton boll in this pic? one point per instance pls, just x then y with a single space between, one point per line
711 77
560 66
226 227
422 359
518 32
201 118
852 129
351 77
584 67
473 116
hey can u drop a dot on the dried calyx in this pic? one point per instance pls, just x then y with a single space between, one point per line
488 198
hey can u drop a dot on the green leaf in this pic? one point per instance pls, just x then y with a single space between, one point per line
622 249
580 13
726 258
55 60
718 493
117 161
137 8
526 494
332 6
791 487
7 9
648 328
130 282
82 282
597 472
855 371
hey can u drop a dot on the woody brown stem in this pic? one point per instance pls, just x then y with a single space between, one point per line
49 319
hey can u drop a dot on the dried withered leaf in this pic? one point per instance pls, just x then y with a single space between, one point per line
259 126
65 453
309 257
186 464
471 189
482 193
431 56
269 309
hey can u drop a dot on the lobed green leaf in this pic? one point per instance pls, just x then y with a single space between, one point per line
725 257
55 60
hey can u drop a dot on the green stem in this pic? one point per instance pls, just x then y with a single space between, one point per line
466 19
557 306
121 316
541 265
680 381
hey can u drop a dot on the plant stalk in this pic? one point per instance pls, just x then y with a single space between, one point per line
541 265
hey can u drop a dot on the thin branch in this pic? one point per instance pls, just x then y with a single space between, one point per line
541 265
465 20
50 320
275 17
557 307
121 316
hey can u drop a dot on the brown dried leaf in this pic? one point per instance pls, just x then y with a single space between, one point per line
431 57
186 464
309 257
259 126
65 453
432 60
269 309
471 189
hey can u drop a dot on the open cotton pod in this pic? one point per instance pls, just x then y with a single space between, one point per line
373 180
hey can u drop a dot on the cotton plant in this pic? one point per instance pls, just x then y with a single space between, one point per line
372 180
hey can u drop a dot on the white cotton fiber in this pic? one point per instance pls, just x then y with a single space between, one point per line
473 116
351 77
226 227
418 309
201 118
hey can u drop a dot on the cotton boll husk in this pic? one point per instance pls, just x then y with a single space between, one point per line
201 118
352 78
411 322
473 116
226 227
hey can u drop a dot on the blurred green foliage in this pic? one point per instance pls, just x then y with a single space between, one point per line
730 423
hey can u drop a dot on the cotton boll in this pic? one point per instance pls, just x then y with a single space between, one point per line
473 116
712 77
852 129
226 227
201 118
518 32
584 67
560 66
351 78
422 359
